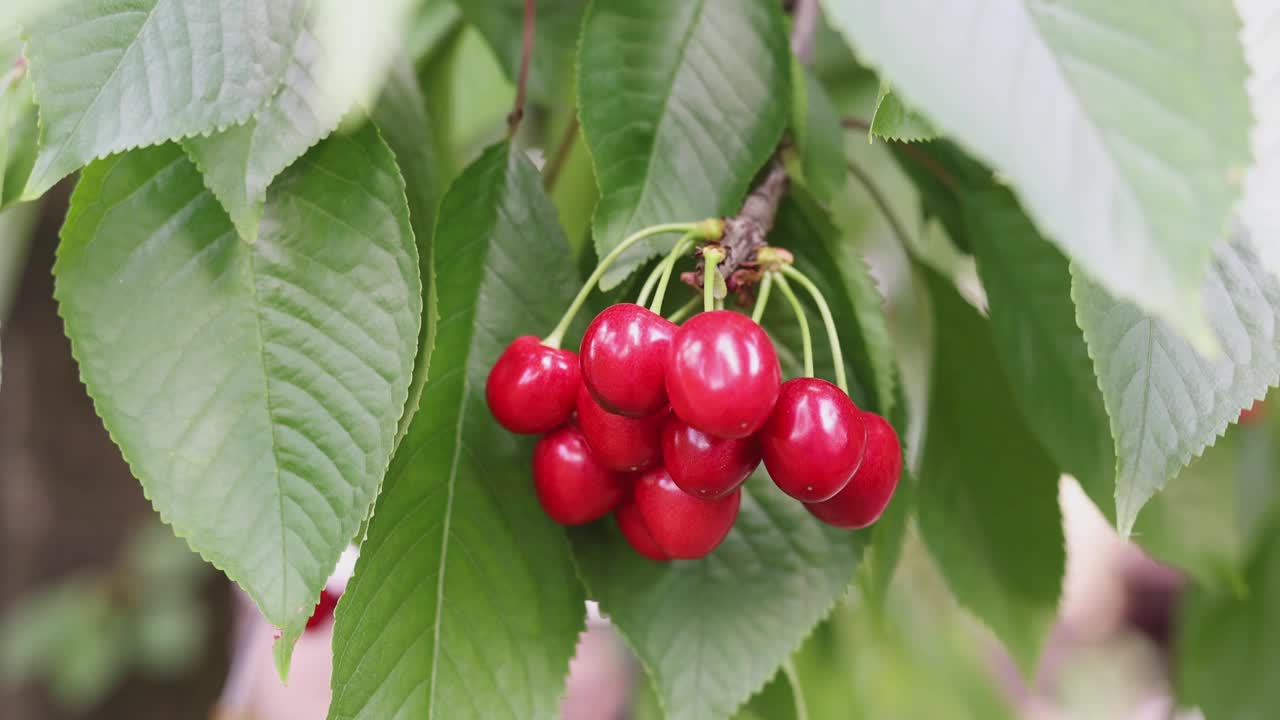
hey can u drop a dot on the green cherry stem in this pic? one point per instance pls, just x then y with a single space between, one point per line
711 257
704 228
647 289
685 310
762 299
806 339
833 337
668 265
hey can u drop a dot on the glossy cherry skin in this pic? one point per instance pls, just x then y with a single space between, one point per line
813 442
620 443
636 533
705 465
323 612
532 388
573 487
684 526
723 374
862 501
623 353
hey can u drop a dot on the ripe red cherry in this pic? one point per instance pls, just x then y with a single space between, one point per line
723 374
573 487
866 496
813 442
531 388
705 465
620 443
637 534
682 525
623 354
323 612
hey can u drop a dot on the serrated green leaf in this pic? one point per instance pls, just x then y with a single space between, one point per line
254 389
893 120
556 25
819 138
706 84
1108 120
729 620
464 602
17 118
1228 646
1261 39
775 701
1166 401
988 495
112 75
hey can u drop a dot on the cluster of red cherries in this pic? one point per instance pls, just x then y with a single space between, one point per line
661 424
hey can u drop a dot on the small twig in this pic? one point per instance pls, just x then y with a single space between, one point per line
853 123
526 50
804 24
926 160
555 163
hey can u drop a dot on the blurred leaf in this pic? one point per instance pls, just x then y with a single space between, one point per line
893 120
819 139
775 701
707 87
727 621
988 495
556 27
169 637
17 118
1113 130
464 600
1167 402
254 389
1261 39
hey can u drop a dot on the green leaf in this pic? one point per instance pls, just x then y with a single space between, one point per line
1261 39
17 118
117 74
775 701
556 25
464 602
1229 646
893 120
729 620
988 495
706 87
254 389
1105 118
1166 401
819 138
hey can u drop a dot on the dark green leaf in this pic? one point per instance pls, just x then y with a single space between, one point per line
988 495
711 632
464 602
1166 401
819 138
680 115
254 389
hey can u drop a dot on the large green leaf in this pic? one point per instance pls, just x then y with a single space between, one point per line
464 602
988 495
254 389
712 632
556 25
1228 645
1117 124
1166 401
117 74
819 138
1261 39
680 115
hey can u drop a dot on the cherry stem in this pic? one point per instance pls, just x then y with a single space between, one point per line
526 52
685 310
647 289
762 298
711 257
704 228
669 264
837 357
806 339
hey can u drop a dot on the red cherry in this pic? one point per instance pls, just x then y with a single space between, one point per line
623 354
813 442
323 612
637 534
532 387
705 465
866 496
1254 414
620 443
723 374
682 525
573 487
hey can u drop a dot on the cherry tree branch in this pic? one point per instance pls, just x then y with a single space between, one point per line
526 50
